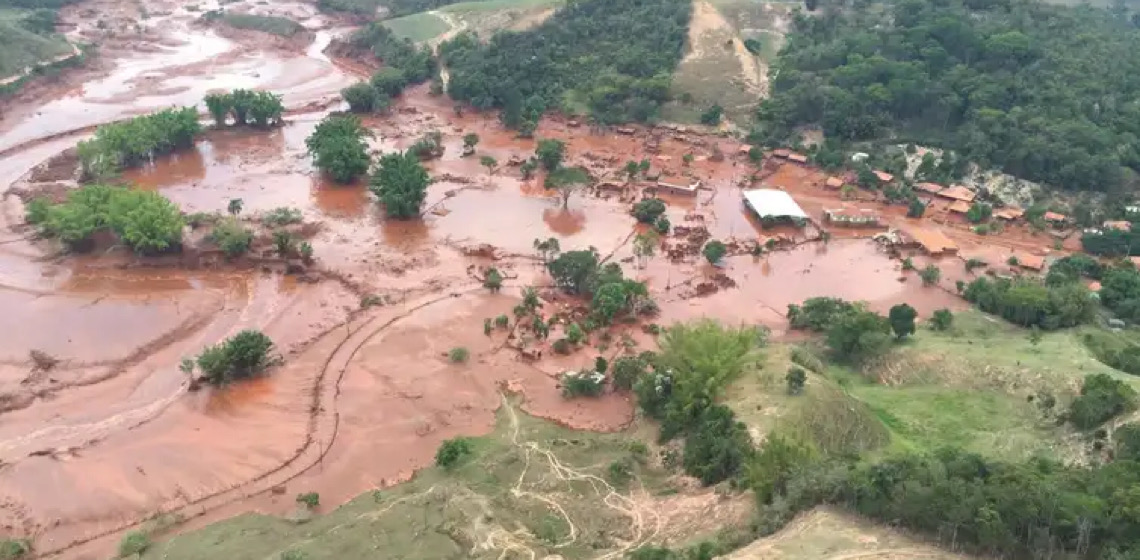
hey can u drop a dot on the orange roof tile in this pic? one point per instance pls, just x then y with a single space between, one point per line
884 176
1119 225
1009 213
958 192
834 182
781 153
959 206
799 158
1055 217
932 240
931 188
1026 260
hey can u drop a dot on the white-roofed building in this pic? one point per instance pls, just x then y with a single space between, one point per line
772 204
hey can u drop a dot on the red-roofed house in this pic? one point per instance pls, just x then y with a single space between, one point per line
932 188
958 192
883 176
833 183
1055 218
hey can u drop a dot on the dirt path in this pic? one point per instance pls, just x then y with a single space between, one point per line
707 19
457 26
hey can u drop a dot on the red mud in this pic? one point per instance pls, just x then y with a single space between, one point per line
111 436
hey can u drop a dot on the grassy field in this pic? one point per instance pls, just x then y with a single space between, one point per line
276 25
530 489
417 27
20 48
975 387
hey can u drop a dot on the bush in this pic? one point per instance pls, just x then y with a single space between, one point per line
573 271
902 318
134 542
494 280
818 313
585 383
796 378
550 152
1029 302
129 143
662 225
649 210
712 115
143 220
859 335
243 355
232 238
400 183
310 500
458 355
714 251
930 275
979 212
389 81
338 147
942 320
627 370
281 216
1101 398
718 447
562 346
361 97
453 451
13 549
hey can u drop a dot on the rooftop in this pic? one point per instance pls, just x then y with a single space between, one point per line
800 158
773 203
884 176
932 241
1009 213
932 188
958 192
1119 225
833 182
959 206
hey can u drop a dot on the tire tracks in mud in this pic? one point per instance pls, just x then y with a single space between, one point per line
324 425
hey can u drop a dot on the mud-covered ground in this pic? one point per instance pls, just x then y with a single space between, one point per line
110 435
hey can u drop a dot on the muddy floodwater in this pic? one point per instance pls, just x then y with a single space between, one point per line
110 434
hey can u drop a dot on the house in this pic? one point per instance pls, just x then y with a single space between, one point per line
959 207
1030 261
772 204
1055 218
958 192
883 176
932 188
932 241
781 153
1009 213
833 183
626 130
851 217
1118 225
798 158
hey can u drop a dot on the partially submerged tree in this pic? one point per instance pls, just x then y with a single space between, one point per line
550 152
338 147
567 181
714 251
490 163
245 354
400 182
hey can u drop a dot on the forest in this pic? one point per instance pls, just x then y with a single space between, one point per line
612 58
1047 93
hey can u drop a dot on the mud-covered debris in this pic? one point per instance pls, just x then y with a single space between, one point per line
42 361
482 250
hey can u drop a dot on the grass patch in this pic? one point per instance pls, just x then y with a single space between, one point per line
417 27
276 25
497 501
20 48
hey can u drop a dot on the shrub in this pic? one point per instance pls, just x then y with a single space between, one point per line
647 211
361 97
550 153
453 451
930 275
37 210
860 335
502 321
562 346
714 251
458 355
971 264
389 81
338 147
275 25
129 143
494 280
585 383
134 542
243 355
400 183
284 242
718 447
979 212
143 220
711 116
627 370
309 499
293 554
662 225
942 320
574 334
619 473
796 378
13 549
232 238
1101 398
902 318
281 216
306 251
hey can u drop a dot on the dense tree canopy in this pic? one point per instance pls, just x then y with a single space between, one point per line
143 220
613 57
400 182
1045 92
338 147
136 141
417 63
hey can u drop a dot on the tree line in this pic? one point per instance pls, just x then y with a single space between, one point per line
247 107
129 143
143 220
1042 91
610 58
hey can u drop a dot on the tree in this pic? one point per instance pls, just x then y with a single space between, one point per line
400 182
453 452
219 105
648 210
859 335
942 320
687 159
915 208
902 318
714 251
338 147
979 212
234 207
644 245
567 181
547 248
146 221
712 115
493 280
930 275
243 355
631 169
389 81
469 141
527 168
490 163
1102 397
573 270
550 153
361 97
796 378
284 242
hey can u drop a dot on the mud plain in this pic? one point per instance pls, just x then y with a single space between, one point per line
110 436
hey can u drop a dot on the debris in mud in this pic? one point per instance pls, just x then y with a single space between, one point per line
42 361
482 250
449 178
